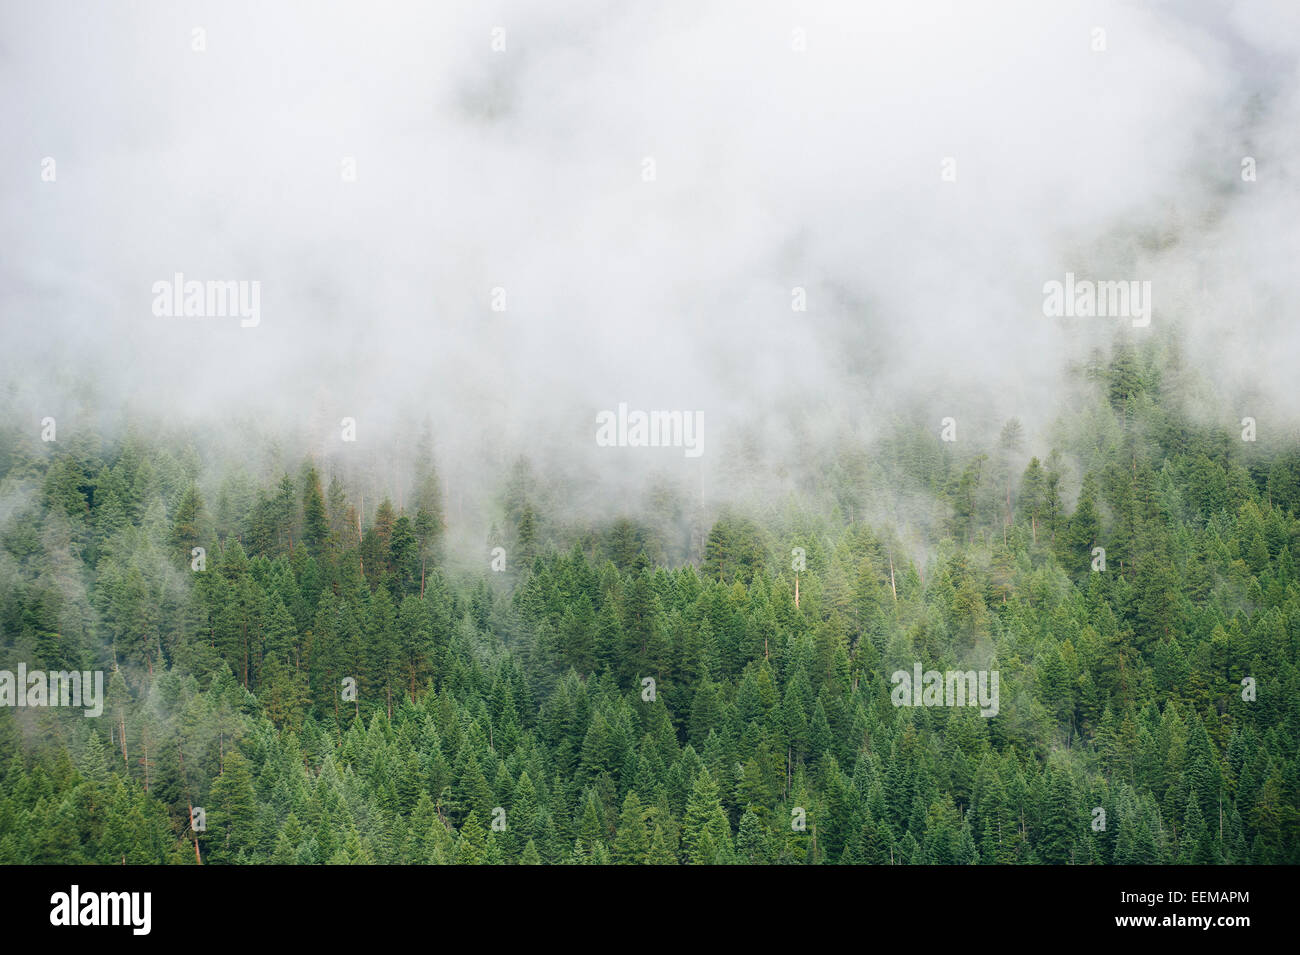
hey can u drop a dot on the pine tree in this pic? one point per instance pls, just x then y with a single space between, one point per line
315 520
705 829
632 843
232 817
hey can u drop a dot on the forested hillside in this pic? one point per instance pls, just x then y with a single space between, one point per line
330 686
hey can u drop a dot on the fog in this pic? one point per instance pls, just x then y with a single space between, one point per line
792 146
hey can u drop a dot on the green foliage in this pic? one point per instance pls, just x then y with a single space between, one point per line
527 692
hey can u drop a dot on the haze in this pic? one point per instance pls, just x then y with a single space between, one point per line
523 169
